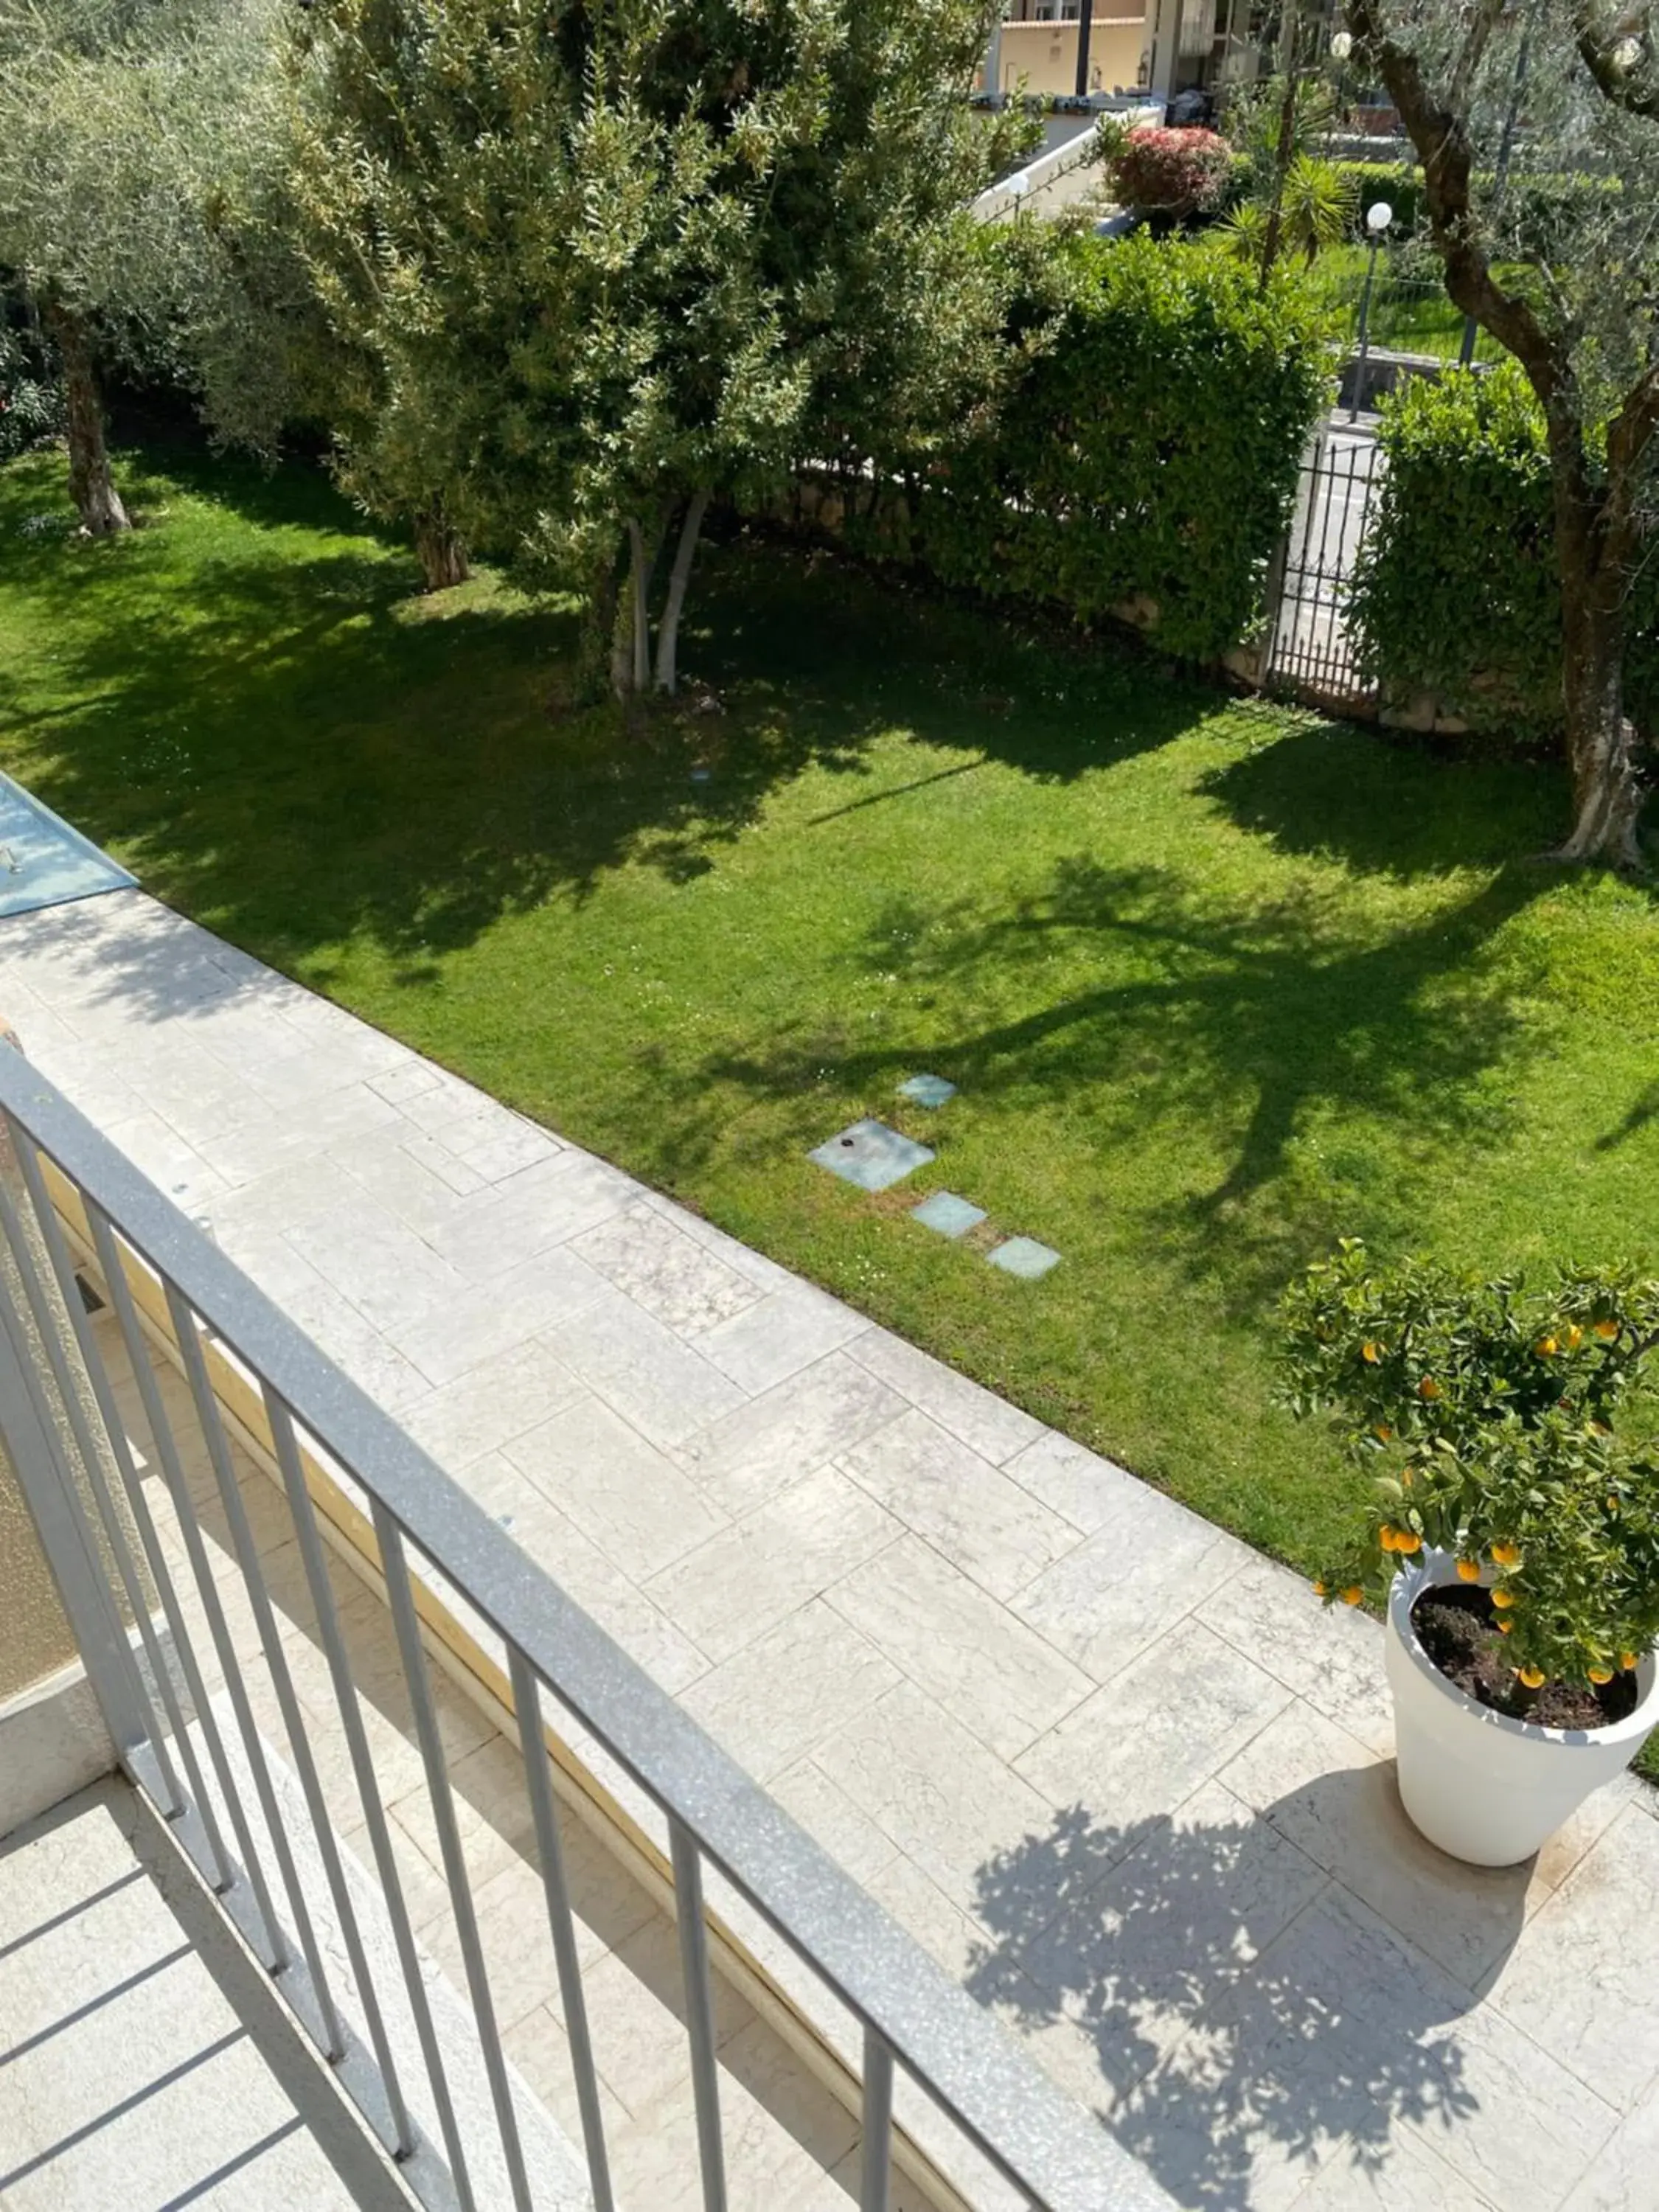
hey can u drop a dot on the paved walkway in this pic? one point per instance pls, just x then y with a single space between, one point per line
1120 1774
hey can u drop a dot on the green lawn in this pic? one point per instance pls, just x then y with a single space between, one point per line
1217 981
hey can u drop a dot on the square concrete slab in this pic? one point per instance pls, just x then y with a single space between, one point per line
1026 1257
949 1215
871 1155
927 1089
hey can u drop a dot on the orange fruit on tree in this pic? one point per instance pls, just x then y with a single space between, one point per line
1503 1599
1627 1660
1408 1542
1428 1387
1468 1570
1532 1676
1599 1675
1352 1594
1503 1627
1371 1352
1506 1554
1575 1336
1607 1330
1546 1347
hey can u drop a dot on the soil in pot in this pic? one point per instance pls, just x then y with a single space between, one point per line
1457 1628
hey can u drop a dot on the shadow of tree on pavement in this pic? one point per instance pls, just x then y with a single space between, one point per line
1237 2018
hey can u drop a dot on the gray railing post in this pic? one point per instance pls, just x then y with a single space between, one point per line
39 1439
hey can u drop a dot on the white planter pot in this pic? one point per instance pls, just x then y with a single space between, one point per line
1483 1787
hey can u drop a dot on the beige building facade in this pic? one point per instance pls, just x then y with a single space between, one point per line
1163 48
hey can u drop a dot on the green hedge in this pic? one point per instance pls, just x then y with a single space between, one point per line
1148 451
1544 205
1456 590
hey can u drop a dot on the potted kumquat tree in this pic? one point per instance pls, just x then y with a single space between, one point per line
1513 1531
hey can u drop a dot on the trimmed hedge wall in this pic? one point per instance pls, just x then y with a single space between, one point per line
1455 591
1145 459
1543 205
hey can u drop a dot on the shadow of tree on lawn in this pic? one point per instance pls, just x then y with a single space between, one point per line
1251 1020
1228 2010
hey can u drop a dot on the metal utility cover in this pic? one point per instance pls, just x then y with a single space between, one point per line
1024 1256
951 1215
927 1089
871 1155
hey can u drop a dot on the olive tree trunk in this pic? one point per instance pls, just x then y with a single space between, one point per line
668 630
1602 742
1600 536
91 486
441 551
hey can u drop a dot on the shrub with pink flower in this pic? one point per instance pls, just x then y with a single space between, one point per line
1176 171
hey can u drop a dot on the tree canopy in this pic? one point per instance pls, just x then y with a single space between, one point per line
592 266
127 133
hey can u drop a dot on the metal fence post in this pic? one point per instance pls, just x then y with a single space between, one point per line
38 1457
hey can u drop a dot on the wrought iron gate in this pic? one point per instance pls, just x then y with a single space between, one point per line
1311 649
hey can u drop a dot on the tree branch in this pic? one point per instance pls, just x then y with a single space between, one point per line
1439 132
1598 43
1484 24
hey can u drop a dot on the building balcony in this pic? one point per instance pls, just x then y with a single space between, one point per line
355 1863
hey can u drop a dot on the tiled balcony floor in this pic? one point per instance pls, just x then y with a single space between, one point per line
1122 1776
141 2062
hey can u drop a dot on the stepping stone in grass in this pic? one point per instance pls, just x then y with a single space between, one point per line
871 1155
951 1215
927 1089
1026 1257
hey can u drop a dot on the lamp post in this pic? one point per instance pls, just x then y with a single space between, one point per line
1378 216
1086 11
1341 48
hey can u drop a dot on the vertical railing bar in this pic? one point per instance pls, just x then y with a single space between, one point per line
41 1465
401 1597
173 1474
699 2009
876 2194
143 1521
187 1336
294 1721
46 1323
526 1702
362 1764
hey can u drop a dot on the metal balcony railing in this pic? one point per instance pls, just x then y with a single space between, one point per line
70 1203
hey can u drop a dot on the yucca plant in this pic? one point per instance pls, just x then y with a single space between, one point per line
1319 202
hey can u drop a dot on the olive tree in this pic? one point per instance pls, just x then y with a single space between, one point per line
123 131
591 268
1564 274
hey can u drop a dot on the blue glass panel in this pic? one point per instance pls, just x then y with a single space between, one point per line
43 862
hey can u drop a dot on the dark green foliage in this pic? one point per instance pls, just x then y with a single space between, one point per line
1400 185
1458 591
31 395
1542 208
1148 448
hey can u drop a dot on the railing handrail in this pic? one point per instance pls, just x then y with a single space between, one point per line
1036 2136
